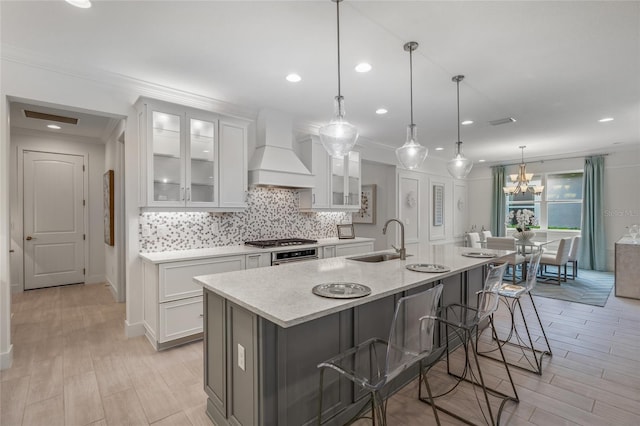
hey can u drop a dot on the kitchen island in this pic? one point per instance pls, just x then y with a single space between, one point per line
265 331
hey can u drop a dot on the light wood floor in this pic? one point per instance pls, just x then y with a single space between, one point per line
73 366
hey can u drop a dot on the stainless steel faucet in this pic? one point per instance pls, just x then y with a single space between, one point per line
401 250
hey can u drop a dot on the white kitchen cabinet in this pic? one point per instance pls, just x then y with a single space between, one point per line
337 181
345 181
316 159
347 249
191 158
258 260
173 302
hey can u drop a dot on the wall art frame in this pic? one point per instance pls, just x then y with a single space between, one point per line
367 212
438 205
346 231
108 200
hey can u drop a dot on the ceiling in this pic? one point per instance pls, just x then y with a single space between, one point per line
556 67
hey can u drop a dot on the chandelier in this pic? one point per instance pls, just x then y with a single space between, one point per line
522 178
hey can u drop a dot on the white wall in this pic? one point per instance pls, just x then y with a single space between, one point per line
113 161
622 197
95 154
383 176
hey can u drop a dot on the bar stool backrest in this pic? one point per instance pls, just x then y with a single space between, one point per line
489 298
532 270
411 335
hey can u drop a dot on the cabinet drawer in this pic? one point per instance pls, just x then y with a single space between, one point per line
180 318
176 279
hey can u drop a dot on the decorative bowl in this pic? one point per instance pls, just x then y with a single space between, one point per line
524 235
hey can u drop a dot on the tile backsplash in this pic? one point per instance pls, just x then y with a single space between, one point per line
271 213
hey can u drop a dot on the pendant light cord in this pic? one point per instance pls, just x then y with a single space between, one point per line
338 31
458 96
411 82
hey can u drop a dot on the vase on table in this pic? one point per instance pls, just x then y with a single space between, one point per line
524 235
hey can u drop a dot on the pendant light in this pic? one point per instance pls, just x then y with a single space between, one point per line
411 154
459 166
339 136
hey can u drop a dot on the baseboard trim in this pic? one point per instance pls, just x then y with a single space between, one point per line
114 292
94 279
133 330
6 358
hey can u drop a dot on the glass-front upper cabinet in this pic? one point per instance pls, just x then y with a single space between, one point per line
191 158
201 168
345 181
167 166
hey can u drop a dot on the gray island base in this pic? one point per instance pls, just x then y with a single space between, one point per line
265 332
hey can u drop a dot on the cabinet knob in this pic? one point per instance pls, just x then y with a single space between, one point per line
201 315
182 194
29 238
313 198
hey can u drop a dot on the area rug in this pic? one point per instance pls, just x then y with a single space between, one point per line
590 288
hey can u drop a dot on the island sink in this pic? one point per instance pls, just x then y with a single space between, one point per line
374 258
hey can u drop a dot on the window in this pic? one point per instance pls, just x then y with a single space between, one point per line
559 207
564 200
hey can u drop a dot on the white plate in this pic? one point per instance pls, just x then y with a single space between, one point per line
428 267
341 290
480 254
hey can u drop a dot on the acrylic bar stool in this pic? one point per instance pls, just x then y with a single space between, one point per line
375 363
510 295
466 321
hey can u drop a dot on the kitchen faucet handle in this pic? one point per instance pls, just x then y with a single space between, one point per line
396 248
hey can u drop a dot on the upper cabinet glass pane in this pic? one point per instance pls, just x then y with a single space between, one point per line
337 181
202 148
167 168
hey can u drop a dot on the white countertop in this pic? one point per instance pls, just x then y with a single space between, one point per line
178 255
282 294
628 240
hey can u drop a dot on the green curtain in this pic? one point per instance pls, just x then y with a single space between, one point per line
592 253
498 202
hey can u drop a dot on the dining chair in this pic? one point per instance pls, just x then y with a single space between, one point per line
559 259
466 321
510 295
573 257
374 363
513 260
473 240
485 235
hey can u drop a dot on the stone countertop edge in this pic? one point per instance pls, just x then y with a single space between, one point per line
278 295
201 253
628 240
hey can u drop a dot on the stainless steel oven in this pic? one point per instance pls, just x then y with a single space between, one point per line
294 255
291 253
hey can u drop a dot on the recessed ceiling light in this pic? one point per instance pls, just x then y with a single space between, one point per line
294 78
481 161
363 67
54 126
606 119
467 122
84 4
205 150
381 111
439 148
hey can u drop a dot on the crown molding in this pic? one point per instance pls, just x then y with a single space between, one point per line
127 83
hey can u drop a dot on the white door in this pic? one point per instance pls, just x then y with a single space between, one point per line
53 219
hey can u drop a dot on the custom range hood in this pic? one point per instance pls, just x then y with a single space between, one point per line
274 163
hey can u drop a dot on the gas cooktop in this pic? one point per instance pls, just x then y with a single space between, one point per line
280 243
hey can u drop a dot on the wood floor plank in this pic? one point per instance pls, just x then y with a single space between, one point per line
82 402
124 408
157 400
198 416
180 418
49 412
13 394
112 375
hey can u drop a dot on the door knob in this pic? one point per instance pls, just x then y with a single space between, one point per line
29 238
